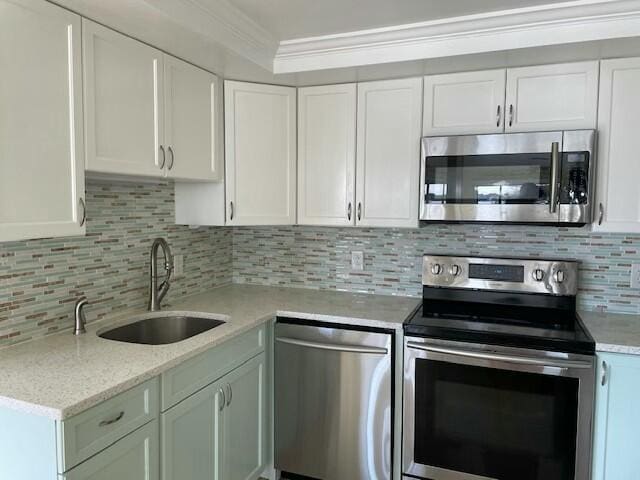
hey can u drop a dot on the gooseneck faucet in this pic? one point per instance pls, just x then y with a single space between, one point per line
157 292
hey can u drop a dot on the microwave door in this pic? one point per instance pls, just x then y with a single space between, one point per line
492 178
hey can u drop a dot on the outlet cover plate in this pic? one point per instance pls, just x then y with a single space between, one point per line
635 275
357 261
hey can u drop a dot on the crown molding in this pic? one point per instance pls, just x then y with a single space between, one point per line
562 23
221 22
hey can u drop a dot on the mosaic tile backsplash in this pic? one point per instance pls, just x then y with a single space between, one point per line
316 257
40 280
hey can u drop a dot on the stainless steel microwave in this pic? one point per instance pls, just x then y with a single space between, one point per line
526 178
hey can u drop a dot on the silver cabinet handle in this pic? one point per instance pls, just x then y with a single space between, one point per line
164 157
83 217
349 211
498 116
511 115
332 346
230 394
115 419
171 158
603 380
230 210
359 210
223 402
499 357
553 177
601 216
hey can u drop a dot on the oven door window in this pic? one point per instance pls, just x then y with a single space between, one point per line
495 423
488 179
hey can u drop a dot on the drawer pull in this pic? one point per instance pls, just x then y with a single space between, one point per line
115 419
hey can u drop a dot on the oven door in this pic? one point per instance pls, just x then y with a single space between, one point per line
486 412
541 177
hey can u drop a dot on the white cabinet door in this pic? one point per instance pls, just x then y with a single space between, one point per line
388 153
619 147
552 97
326 154
244 421
260 154
464 103
123 103
191 121
41 153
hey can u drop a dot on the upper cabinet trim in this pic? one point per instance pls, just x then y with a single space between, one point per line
570 22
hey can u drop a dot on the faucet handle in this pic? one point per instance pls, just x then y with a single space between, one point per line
80 318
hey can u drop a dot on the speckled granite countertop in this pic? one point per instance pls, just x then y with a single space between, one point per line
61 375
614 332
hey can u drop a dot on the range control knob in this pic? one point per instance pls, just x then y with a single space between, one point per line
538 274
454 270
436 269
559 276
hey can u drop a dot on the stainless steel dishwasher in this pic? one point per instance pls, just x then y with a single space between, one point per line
333 401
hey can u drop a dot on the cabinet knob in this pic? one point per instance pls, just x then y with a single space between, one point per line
171 158
164 157
603 380
511 115
498 115
349 211
230 210
222 396
601 216
359 211
83 216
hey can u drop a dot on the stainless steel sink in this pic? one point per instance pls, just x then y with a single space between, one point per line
161 329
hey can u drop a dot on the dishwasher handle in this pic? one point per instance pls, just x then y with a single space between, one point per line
333 346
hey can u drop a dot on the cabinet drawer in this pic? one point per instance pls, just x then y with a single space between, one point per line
95 429
134 457
192 375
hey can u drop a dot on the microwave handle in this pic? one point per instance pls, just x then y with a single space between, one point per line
554 174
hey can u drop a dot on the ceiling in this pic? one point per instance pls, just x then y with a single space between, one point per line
291 19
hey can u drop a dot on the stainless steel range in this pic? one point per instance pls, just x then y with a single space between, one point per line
498 373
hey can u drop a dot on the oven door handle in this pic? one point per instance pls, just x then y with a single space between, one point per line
333 346
499 357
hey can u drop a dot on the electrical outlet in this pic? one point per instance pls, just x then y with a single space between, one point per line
357 261
635 275
178 266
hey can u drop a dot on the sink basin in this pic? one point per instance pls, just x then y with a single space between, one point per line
161 330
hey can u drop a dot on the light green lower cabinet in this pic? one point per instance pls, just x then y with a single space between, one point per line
219 433
134 457
616 454
190 437
244 422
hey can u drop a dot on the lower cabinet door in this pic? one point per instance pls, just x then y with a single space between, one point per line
134 457
617 424
190 436
244 421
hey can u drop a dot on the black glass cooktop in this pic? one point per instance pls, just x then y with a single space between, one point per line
509 322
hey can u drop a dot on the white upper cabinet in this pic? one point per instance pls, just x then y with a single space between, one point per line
326 155
41 153
618 207
552 97
260 154
464 103
388 153
191 105
123 104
